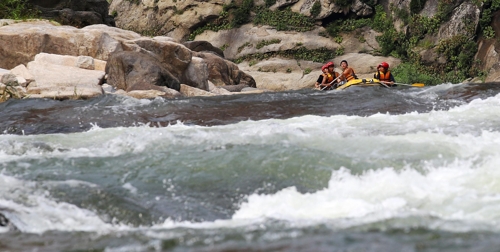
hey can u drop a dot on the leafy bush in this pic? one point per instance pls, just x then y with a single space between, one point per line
283 20
301 53
416 6
316 9
16 9
267 42
337 26
411 73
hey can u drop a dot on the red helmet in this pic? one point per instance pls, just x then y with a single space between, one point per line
330 64
324 67
384 65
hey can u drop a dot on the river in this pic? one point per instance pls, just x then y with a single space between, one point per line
363 169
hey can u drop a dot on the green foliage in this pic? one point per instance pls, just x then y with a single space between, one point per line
416 6
316 9
381 21
338 39
343 3
242 13
459 51
224 46
421 25
16 9
488 32
445 9
412 73
489 7
402 14
267 42
301 53
307 70
283 20
243 46
347 25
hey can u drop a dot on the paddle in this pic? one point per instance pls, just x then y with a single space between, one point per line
411 85
327 84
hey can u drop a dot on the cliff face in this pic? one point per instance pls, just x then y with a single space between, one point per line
76 13
415 20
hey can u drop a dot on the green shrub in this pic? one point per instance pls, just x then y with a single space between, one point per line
412 73
17 9
416 6
283 20
242 13
316 9
267 42
343 3
301 53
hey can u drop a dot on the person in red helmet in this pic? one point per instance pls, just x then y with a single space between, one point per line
332 78
329 78
384 75
324 69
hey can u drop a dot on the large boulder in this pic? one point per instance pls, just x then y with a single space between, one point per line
224 72
138 71
62 81
22 41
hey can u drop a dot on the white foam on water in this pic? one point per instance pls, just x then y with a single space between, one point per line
459 191
31 210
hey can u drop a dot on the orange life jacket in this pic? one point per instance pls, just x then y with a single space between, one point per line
330 77
351 75
383 76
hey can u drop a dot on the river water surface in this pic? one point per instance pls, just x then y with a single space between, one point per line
364 169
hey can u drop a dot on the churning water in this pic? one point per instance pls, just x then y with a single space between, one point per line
365 169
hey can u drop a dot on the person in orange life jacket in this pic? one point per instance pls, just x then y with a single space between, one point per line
324 69
384 75
331 79
347 72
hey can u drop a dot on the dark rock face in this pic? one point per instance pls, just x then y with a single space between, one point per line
223 72
76 13
203 46
138 71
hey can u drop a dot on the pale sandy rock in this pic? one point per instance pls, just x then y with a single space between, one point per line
85 62
282 3
3 71
365 63
361 41
64 82
244 40
62 60
108 89
196 74
22 71
456 26
99 65
189 91
217 90
22 41
145 94
9 79
494 73
175 19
